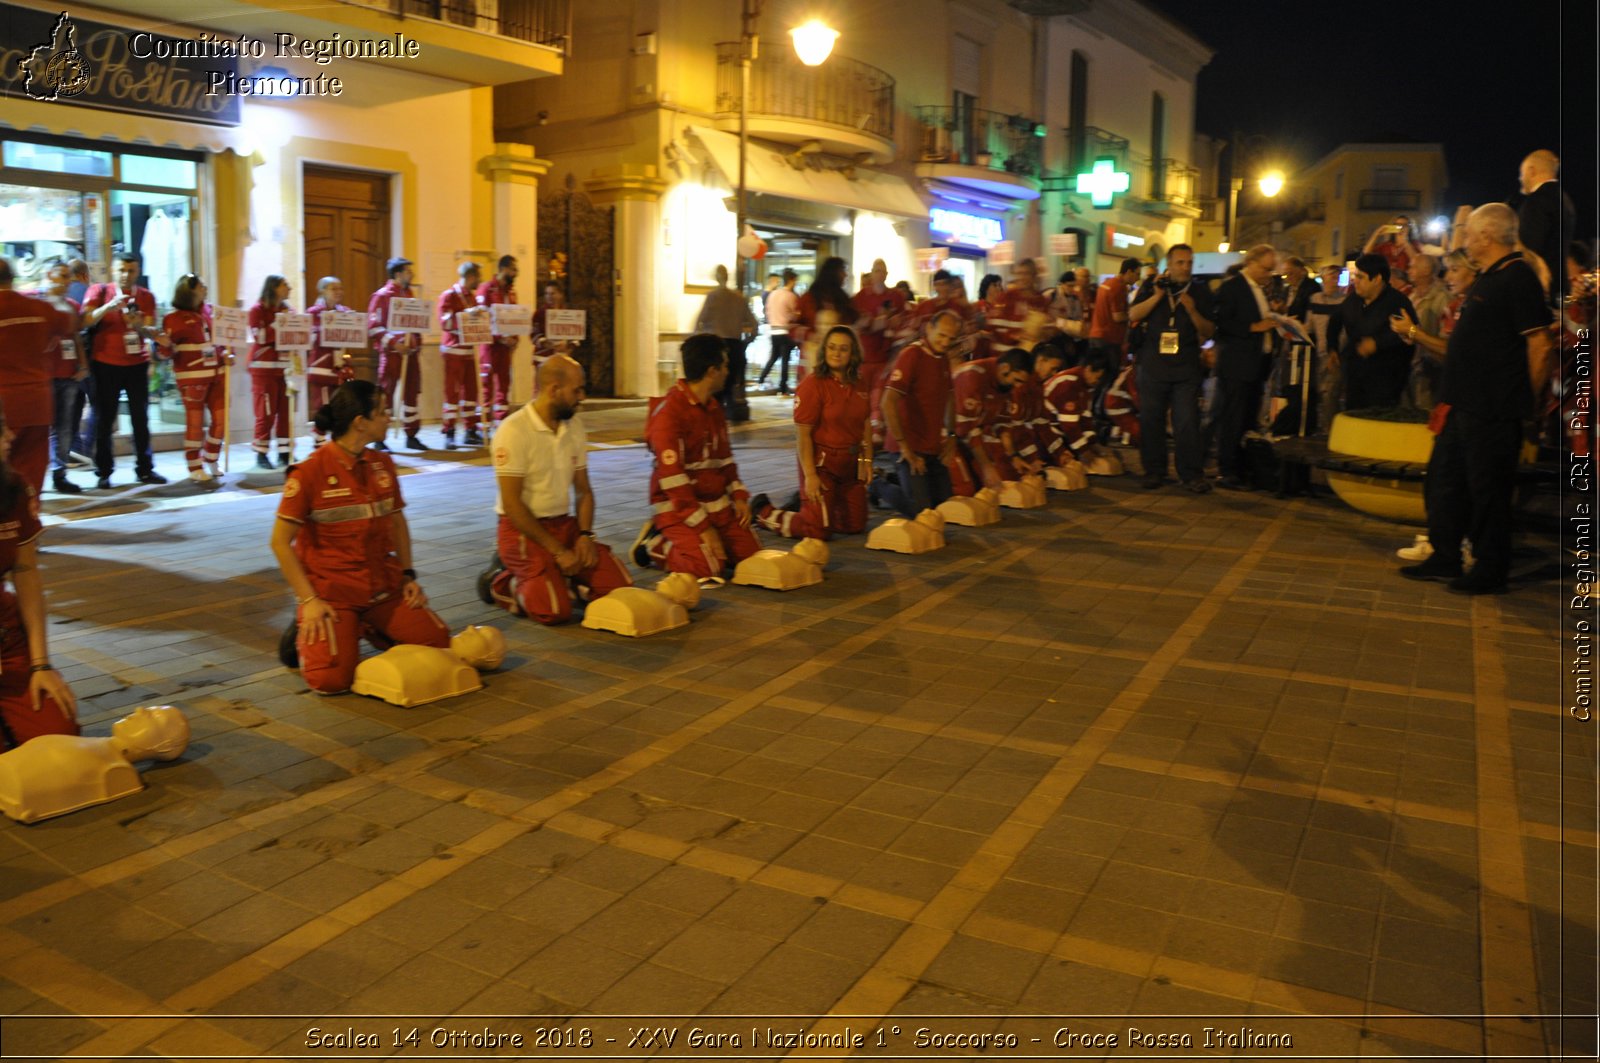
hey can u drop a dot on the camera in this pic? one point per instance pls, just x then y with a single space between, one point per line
1167 284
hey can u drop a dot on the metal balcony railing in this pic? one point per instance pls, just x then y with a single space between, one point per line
975 137
1390 199
1311 210
841 92
546 22
1213 211
1088 143
1171 181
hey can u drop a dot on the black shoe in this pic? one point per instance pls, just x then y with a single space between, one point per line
758 503
1435 569
152 477
1198 486
640 550
104 483
65 486
1473 583
874 493
285 459
472 439
449 442
1153 481
263 462
1232 483
288 645
792 503
486 579
413 443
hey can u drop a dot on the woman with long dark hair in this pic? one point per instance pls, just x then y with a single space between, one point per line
824 305
269 388
343 544
198 367
34 699
834 446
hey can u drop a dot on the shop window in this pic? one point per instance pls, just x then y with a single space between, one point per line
57 159
159 227
40 225
153 170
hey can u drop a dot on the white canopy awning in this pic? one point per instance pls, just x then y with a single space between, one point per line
769 171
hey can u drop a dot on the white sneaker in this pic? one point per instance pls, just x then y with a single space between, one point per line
200 476
1419 550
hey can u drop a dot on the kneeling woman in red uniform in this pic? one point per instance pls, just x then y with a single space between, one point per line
834 445
34 699
342 542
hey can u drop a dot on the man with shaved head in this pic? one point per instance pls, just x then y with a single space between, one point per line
545 553
1546 218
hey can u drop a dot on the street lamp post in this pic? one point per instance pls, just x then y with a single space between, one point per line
1234 185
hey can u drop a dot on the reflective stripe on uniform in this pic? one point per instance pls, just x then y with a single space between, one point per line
360 511
669 482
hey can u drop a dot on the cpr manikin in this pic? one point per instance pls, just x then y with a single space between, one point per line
482 647
52 775
636 611
919 536
781 570
979 511
1071 477
1026 493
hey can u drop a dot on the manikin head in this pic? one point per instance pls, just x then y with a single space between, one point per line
680 587
152 733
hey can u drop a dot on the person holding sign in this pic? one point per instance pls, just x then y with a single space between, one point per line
397 349
121 317
326 367
459 312
494 358
198 367
343 544
269 391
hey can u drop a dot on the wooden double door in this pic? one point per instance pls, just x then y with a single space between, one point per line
347 231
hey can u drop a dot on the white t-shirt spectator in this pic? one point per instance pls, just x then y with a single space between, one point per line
545 458
782 305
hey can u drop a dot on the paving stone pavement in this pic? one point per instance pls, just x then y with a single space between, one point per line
1136 754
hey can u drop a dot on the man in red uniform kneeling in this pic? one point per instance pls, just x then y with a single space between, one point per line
702 512
540 458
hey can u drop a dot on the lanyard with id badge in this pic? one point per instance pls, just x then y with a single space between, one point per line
1169 335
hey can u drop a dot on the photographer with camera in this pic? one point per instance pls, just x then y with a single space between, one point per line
1177 317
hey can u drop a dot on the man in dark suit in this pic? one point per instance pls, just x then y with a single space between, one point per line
1546 218
1244 354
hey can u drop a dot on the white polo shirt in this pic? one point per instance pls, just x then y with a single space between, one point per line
545 458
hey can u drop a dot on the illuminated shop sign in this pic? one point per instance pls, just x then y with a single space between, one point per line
1113 239
958 228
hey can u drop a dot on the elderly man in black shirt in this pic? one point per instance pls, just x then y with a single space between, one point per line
1497 359
1176 316
1375 360
1244 354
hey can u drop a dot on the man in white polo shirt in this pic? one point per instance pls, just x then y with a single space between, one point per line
545 554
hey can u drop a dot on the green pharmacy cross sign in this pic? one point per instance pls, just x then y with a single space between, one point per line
1103 182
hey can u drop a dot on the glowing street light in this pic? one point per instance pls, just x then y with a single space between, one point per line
1271 183
813 42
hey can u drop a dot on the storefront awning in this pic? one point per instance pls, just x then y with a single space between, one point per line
769 171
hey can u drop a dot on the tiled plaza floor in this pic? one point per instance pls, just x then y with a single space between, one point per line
1138 754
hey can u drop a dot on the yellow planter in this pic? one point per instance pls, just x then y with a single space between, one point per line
1364 437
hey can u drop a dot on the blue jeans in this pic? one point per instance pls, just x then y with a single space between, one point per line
1182 399
914 493
68 398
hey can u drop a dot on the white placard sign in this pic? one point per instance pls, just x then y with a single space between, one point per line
344 328
409 315
293 331
473 327
230 326
1003 254
509 319
571 326
1064 244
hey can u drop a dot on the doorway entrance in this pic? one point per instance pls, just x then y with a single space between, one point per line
802 252
347 230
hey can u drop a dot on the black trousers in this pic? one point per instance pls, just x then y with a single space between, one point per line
1237 404
782 348
1376 382
733 390
1472 478
110 382
1182 399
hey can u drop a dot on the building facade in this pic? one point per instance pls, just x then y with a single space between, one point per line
940 133
242 138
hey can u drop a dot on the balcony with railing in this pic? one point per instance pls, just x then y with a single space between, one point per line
1389 199
844 106
1087 143
1309 211
1166 187
985 150
543 22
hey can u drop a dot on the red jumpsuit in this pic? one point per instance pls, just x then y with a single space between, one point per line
269 387
1032 435
1122 406
18 721
694 484
1068 396
836 412
460 363
323 369
494 359
397 356
197 368
30 331
1011 314
982 418
878 320
345 506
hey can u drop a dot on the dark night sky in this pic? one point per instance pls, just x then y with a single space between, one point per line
1481 79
